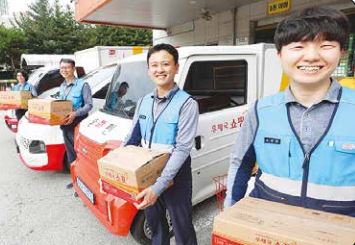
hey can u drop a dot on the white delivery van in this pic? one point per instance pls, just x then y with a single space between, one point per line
41 147
97 56
223 79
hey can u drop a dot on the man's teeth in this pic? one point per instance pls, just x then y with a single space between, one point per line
309 68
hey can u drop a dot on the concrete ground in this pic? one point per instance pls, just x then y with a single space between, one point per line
37 209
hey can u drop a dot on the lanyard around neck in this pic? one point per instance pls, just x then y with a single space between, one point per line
67 94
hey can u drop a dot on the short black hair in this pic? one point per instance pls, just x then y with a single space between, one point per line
312 23
164 46
67 61
23 72
124 85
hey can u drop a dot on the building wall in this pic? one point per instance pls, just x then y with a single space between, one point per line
4 10
233 26
218 30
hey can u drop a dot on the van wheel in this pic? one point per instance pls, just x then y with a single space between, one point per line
141 231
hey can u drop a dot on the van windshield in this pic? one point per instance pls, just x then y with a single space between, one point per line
35 76
129 83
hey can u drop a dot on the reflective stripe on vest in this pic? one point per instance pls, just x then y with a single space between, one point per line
73 93
331 165
160 134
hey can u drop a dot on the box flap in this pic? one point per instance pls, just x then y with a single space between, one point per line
252 221
132 157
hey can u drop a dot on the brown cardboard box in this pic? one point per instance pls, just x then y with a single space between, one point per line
47 111
131 168
254 221
14 99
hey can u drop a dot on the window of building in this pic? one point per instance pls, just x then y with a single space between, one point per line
218 84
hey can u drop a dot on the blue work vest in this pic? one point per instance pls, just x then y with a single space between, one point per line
322 179
25 87
73 93
160 133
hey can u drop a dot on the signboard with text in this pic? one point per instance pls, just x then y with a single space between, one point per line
278 6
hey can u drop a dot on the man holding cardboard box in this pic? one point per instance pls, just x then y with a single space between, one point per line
303 139
166 119
79 92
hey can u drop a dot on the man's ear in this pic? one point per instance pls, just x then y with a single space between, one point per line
342 53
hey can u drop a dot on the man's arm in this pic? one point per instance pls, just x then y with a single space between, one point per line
187 127
242 159
87 96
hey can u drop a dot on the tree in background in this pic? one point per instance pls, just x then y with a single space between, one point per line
120 36
53 30
12 45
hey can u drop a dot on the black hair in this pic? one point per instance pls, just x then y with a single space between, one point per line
67 61
164 46
312 23
124 84
23 72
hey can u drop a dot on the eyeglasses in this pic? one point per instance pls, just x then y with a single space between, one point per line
66 67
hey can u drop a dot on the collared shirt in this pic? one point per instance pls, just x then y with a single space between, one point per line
87 97
25 87
309 123
187 127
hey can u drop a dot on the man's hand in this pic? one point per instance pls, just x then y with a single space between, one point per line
149 198
69 119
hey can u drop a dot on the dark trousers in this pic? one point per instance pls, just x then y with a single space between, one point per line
177 199
68 135
20 113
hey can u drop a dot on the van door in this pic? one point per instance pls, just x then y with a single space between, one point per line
223 86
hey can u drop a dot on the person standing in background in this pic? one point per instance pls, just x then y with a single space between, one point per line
22 85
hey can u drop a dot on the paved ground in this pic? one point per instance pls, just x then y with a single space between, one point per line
37 209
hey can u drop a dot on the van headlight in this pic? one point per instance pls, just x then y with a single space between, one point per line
37 147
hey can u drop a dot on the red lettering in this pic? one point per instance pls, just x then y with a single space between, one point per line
214 128
240 120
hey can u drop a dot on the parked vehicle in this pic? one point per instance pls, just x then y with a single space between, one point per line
41 147
224 80
97 56
34 61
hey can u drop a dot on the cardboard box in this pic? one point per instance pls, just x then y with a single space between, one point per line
131 169
254 221
47 111
14 99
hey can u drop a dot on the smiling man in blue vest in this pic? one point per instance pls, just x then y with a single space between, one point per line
79 93
167 119
303 139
